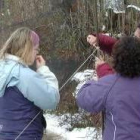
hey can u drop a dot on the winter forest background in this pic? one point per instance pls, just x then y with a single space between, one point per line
63 26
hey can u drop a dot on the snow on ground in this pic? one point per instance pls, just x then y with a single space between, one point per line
82 77
53 125
53 121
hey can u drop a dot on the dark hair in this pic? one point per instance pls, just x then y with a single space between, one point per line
126 57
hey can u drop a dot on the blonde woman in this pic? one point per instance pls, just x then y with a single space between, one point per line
23 92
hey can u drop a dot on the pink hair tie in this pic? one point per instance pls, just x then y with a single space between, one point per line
35 39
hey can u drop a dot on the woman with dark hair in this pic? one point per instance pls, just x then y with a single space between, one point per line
126 54
106 44
117 94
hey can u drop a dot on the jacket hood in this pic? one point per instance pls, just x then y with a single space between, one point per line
8 76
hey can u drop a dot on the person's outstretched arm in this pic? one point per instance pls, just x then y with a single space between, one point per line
91 97
106 43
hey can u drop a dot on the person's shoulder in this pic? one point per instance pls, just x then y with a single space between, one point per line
27 73
109 79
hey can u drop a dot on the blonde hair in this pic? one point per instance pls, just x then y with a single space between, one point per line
19 44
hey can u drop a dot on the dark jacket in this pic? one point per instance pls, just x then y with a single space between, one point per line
15 113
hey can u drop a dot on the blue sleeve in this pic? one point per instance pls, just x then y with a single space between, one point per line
36 89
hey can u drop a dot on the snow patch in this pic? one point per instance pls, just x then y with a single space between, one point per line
53 125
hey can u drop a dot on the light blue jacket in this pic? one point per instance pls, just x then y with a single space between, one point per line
39 87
